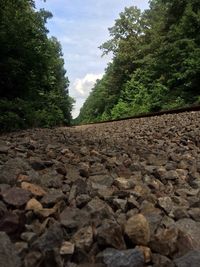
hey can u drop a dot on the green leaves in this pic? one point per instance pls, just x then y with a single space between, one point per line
156 62
32 72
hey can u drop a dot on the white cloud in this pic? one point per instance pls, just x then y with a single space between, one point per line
67 40
80 90
83 86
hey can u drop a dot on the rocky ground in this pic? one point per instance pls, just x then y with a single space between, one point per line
122 194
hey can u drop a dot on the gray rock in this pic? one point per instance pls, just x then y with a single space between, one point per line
191 259
28 237
3 209
98 210
51 239
8 253
52 197
51 179
195 214
11 169
161 261
37 164
192 229
74 218
33 259
12 223
4 149
165 203
109 234
105 180
124 258
21 248
171 175
119 204
82 200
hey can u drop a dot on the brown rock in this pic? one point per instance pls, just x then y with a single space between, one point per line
67 248
22 177
161 261
98 210
165 241
146 252
83 238
34 205
16 196
123 183
137 229
38 209
34 189
33 259
190 228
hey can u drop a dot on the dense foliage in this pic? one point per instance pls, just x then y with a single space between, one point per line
33 86
156 62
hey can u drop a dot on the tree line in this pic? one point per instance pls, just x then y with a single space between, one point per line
33 82
155 64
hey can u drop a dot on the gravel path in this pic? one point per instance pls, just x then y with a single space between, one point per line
119 194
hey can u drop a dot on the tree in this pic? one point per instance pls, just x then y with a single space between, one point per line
32 70
156 61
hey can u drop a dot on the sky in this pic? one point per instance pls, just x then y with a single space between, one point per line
81 26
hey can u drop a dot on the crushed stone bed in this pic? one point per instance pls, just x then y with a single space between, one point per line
119 194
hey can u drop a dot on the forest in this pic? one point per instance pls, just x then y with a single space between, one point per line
33 82
155 65
155 62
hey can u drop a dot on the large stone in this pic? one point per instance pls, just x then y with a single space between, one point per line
33 259
74 218
4 149
38 209
123 183
83 238
8 254
192 229
34 189
67 248
11 169
82 200
12 223
124 258
171 175
98 210
137 229
16 196
38 164
53 197
51 179
34 205
3 208
165 241
161 261
165 203
109 234
191 259
146 252
105 180
51 239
